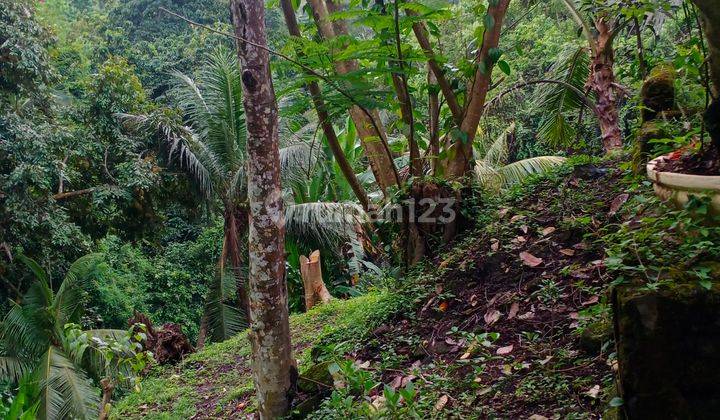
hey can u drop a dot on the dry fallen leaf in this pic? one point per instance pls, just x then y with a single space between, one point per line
537 417
492 316
530 260
495 245
567 251
524 228
593 392
465 355
443 306
514 308
441 402
505 350
516 218
502 212
593 299
617 203
548 230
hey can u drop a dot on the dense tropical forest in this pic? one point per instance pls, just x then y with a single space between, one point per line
342 209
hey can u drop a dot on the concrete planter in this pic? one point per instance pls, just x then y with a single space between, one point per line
677 188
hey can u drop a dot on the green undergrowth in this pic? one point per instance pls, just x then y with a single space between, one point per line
217 378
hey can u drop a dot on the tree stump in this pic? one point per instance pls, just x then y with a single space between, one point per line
668 346
311 272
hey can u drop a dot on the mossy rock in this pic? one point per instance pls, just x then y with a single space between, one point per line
658 91
641 151
316 378
594 335
668 345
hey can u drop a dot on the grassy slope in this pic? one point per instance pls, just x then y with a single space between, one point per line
431 330
216 381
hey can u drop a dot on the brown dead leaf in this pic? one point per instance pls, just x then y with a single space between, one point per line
441 402
530 260
495 245
505 350
548 230
492 316
516 218
537 417
443 306
567 251
591 300
524 228
617 203
514 308
593 392
503 211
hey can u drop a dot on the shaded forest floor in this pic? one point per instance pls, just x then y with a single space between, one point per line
513 322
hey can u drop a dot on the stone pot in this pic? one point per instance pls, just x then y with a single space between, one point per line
677 188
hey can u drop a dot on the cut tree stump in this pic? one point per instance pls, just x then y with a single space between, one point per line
311 272
668 347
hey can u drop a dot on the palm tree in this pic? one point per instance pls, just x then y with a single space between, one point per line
211 146
493 171
35 349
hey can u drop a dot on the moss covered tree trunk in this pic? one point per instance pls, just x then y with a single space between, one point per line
274 371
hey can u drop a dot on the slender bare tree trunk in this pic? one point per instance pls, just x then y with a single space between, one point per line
367 122
422 37
461 150
434 117
274 370
324 117
602 82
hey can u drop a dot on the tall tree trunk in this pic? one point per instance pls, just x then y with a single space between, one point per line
461 150
602 83
274 371
324 117
710 11
434 117
367 122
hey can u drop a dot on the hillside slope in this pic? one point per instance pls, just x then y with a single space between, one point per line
513 321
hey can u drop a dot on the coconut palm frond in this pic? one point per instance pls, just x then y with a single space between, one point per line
222 90
329 224
65 390
68 301
497 152
487 175
297 162
518 171
27 330
12 368
224 318
33 266
182 143
557 99
579 20
191 101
